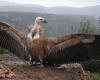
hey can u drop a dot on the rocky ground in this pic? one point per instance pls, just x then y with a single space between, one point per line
24 71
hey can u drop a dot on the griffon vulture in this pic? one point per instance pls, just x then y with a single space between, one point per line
47 50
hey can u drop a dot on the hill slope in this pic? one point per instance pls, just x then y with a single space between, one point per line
13 7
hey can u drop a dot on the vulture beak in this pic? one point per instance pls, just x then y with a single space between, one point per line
45 21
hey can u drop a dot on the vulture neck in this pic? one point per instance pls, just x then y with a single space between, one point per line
30 35
35 32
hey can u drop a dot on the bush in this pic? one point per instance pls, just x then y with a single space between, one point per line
2 50
84 27
92 76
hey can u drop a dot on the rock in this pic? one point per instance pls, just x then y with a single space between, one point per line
76 70
5 72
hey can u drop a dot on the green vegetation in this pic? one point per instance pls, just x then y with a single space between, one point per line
92 69
92 76
2 50
84 27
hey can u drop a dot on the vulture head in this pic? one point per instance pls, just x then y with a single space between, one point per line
40 20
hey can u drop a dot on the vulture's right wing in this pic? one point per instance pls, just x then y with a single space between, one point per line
12 40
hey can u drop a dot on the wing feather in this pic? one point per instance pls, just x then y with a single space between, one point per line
12 40
60 39
71 50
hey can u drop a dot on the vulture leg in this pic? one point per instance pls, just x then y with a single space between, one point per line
41 61
30 59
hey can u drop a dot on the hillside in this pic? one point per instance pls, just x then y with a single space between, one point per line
57 24
13 7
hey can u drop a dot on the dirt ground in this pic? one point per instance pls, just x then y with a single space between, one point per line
24 71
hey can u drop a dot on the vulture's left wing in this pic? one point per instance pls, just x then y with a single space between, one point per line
71 50
12 39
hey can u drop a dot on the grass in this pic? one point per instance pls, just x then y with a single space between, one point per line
92 69
92 76
2 50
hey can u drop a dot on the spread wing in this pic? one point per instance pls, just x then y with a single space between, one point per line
12 40
60 39
72 49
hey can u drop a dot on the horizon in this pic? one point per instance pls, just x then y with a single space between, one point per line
65 3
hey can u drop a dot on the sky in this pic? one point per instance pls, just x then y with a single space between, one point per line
51 3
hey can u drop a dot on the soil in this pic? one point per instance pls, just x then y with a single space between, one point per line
25 71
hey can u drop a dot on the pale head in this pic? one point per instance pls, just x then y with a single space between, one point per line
40 20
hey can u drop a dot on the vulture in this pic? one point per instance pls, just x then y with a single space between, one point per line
52 51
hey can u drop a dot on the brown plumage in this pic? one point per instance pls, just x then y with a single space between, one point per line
47 50
54 50
79 52
13 40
